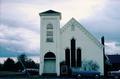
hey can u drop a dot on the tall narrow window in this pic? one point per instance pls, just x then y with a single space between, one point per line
78 57
73 52
49 34
67 57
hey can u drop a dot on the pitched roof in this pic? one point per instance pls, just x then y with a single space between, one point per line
77 24
114 59
49 12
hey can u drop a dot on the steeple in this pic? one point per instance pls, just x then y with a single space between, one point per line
50 41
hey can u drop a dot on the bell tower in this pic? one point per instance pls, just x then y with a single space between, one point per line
49 42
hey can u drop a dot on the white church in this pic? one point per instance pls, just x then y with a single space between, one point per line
71 44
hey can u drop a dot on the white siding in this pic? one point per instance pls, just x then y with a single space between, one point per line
49 46
61 40
90 50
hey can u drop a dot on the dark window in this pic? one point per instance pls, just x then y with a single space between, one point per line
78 57
49 26
67 57
49 34
73 52
49 55
49 39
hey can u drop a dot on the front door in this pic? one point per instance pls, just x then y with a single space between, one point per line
49 66
49 63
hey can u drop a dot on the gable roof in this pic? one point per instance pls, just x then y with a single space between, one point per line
49 12
77 24
114 59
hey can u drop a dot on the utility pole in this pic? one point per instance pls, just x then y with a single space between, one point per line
104 57
24 68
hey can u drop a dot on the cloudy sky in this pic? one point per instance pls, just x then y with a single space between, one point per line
20 22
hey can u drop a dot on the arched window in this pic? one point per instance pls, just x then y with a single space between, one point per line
49 26
78 57
49 33
49 55
67 57
73 47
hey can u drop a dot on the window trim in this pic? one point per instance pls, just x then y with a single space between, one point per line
49 26
49 39
49 33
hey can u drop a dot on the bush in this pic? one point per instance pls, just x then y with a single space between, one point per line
24 62
9 65
89 65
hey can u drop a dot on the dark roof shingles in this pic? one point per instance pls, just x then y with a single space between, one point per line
114 58
49 12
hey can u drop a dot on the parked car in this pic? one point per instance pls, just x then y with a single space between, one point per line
80 73
31 71
114 74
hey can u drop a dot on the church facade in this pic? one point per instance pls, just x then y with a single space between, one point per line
71 44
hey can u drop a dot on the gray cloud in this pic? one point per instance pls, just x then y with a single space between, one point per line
18 40
16 24
112 47
106 21
20 30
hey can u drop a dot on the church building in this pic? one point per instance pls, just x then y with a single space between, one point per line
71 45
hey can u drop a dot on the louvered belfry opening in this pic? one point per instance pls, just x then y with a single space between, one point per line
73 55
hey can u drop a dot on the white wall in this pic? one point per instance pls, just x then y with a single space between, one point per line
90 50
49 46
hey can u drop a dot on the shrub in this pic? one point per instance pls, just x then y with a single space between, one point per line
89 65
9 65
